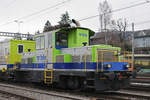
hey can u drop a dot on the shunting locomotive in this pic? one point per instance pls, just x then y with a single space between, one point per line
65 57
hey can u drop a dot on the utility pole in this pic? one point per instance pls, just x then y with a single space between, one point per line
101 21
133 42
105 28
19 34
18 22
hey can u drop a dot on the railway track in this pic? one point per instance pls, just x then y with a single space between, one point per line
140 83
37 94
33 93
9 96
126 95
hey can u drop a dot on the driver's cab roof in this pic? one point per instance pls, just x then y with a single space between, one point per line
91 33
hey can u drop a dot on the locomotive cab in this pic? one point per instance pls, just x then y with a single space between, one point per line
72 37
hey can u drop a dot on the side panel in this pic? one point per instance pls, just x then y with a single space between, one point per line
54 50
72 39
82 36
4 51
95 47
77 37
14 55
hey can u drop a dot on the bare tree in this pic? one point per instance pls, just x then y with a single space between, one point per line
122 25
105 15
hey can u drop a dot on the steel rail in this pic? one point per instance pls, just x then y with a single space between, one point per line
37 94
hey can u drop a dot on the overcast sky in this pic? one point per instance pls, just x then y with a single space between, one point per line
13 9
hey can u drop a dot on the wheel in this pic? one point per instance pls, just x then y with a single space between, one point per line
62 82
73 83
116 85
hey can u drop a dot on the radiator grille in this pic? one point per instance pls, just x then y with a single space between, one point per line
3 59
75 58
108 56
88 58
60 59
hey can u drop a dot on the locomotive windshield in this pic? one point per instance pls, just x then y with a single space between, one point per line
61 40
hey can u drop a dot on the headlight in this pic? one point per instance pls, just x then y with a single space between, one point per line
127 66
108 66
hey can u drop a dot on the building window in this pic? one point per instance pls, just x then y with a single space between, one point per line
20 48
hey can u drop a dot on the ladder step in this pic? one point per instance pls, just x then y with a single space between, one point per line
48 77
89 86
47 70
90 79
48 81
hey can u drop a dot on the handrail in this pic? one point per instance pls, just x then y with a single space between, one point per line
7 59
132 62
49 70
4 58
97 59
46 58
85 63
126 58
52 66
102 60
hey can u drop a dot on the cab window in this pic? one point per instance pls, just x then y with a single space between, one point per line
40 42
20 48
61 40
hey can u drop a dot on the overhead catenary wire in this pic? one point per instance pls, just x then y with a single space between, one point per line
140 23
38 12
7 6
35 13
36 17
117 10
143 22
61 3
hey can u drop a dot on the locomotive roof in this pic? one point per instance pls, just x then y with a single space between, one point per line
91 33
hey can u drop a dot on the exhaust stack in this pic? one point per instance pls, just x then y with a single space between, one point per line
77 23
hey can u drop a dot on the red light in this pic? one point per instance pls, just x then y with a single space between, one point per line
120 76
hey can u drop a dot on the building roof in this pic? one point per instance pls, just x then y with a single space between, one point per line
142 33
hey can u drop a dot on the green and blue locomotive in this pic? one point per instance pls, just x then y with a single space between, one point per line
66 58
